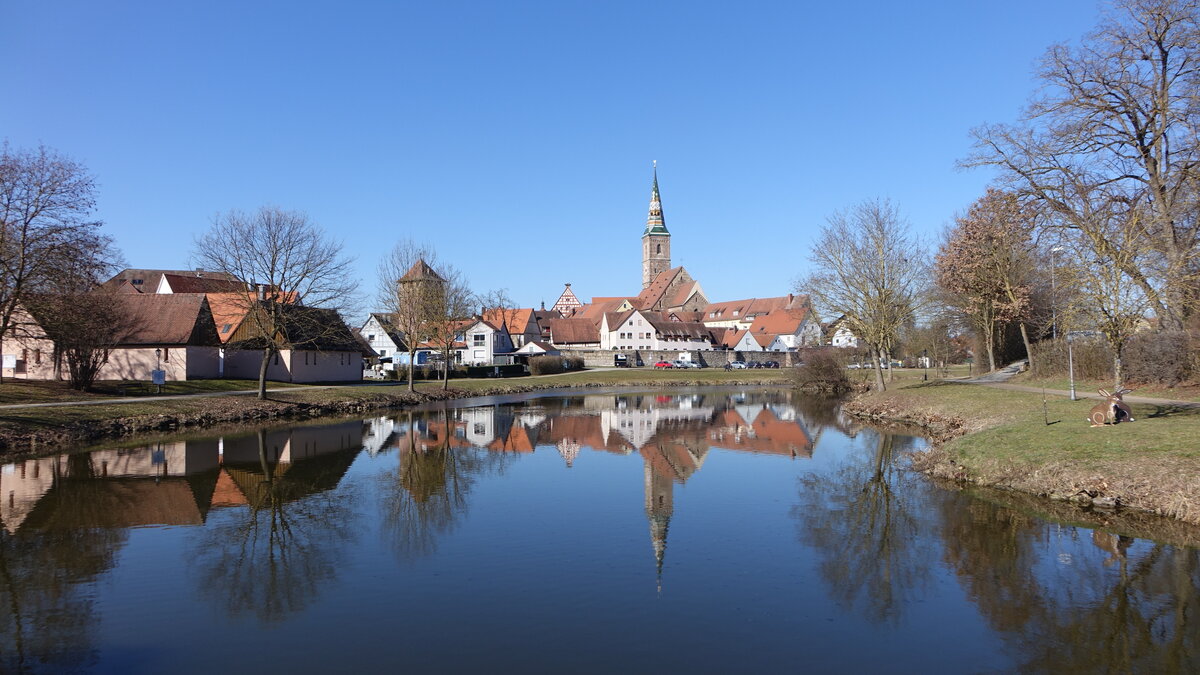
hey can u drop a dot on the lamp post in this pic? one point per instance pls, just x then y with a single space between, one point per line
1054 291
1071 367
158 363
925 365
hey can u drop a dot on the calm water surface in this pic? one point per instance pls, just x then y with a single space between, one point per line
705 531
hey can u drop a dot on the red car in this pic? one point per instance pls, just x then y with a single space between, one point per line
664 364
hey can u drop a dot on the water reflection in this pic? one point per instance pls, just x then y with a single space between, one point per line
267 525
273 557
1069 600
425 495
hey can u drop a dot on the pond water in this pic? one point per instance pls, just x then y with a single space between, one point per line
702 530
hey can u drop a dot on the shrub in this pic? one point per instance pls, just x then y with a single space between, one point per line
1092 358
1158 358
573 363
546 365
821 371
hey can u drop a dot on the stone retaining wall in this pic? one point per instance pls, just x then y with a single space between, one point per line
599 358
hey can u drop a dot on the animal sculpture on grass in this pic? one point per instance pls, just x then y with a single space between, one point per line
1112 410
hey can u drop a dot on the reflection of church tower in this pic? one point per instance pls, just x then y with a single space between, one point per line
660 503
656 241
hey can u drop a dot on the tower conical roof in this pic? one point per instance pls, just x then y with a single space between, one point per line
655 224
421 271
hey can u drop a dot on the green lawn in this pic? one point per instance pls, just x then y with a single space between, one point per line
33 391
1181 393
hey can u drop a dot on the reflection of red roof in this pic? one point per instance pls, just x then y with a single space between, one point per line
227 492
517 440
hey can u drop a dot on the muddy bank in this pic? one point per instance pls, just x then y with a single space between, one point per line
1160 487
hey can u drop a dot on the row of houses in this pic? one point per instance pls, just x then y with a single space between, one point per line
614 324
192 324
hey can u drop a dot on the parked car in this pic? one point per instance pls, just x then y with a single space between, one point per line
680 363
663 364
737 365
771 364
854 366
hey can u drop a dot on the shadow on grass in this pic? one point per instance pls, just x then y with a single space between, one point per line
1169 411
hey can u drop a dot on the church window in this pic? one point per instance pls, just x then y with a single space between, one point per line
658 248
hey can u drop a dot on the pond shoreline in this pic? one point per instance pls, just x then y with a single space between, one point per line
24 438
1101 487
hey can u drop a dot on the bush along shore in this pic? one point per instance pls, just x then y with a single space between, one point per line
1044 446
29 431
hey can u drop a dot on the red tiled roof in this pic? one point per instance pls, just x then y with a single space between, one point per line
166 319
779 322
573 331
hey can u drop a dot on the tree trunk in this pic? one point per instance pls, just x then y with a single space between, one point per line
989 344
1117 375
262 373
1028 347
879 383
445 372
412 364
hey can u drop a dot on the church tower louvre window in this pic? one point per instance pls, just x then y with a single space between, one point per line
656 240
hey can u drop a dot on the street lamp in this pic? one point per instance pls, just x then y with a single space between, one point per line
925 364
1071 366
1054 292
158 365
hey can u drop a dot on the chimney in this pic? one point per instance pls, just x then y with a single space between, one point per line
199 271
262 291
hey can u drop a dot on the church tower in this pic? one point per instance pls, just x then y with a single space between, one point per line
656 241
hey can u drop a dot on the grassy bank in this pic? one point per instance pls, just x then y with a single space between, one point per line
1013 440
32 430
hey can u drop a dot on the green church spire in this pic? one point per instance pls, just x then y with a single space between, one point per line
654 222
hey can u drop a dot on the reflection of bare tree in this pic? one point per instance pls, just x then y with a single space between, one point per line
46 615
427 495
861 518
272 558
1133 613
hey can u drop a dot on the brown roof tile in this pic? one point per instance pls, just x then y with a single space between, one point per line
167 319
573 331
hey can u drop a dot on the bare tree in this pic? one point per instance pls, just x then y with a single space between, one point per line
45 202
285 260
413 293
1108 300
870 270
497 305
1118 122
84 320
450 316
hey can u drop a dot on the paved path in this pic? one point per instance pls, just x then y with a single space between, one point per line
999 380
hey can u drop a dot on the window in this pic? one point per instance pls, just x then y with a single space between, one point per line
383 352
226 327
370 338
276 358
37 356
166 355
658 248
479 339
136 282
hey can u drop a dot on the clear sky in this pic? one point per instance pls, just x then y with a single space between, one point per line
517 137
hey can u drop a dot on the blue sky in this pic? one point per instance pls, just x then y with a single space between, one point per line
517 137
